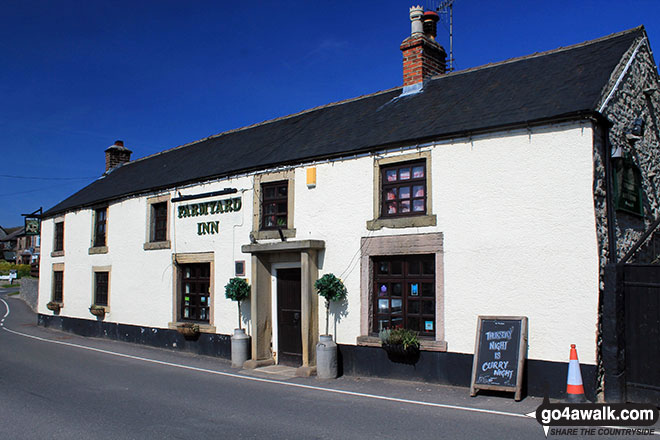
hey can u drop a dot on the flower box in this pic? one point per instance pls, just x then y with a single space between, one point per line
98 311
188 330
54 306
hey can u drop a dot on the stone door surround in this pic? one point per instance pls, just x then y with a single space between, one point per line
304 252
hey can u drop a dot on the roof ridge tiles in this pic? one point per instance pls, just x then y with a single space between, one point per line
539 54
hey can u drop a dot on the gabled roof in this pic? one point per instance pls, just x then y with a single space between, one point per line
13 233
566 82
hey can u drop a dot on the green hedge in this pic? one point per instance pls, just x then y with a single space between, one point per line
22 270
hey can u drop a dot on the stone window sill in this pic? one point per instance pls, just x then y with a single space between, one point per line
425 344
57 254
273 234
203 328
157 245
98 250
402 222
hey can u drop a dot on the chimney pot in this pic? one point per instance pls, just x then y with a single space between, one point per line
416 14
430 24
119 143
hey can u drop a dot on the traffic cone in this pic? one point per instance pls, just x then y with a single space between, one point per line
574 387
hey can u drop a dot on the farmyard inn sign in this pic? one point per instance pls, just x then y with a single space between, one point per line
209 208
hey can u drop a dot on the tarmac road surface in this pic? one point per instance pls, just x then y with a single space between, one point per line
56 385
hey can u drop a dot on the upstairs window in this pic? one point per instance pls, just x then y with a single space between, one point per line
274 201
159 222
403 189
100 220
58 244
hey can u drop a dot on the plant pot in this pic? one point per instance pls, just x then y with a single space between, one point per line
97 311
55 307
326 358
240 348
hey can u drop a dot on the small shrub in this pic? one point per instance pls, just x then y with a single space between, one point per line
399 336
22 270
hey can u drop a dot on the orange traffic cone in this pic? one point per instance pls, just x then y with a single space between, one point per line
574 387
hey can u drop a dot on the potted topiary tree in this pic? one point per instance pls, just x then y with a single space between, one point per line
332 289
238 290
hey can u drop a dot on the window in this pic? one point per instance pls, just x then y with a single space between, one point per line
403 189
101 288
273 205
402 192
159 221
195 292
58 286
404 293
157 234
100 220
274 200
58 245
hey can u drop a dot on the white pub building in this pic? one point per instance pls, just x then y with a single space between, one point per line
489 191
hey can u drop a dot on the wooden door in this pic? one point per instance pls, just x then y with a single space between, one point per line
289 317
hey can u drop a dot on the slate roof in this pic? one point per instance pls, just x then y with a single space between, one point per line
565 82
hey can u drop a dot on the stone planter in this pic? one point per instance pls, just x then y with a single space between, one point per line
240 348
326 358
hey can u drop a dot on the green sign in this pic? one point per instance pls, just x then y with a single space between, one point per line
32 226
627 186
210 208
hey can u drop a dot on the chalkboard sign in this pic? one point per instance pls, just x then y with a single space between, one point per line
499 354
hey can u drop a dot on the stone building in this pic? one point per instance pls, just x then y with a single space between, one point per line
488 191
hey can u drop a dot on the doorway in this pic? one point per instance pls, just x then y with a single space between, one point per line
289 330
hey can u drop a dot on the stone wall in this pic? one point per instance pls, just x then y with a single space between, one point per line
30 291
636 95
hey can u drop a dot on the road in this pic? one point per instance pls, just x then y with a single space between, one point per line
60 386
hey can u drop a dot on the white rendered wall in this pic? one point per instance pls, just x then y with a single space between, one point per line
515 209
517 215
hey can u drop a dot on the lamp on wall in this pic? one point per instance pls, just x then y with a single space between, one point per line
637 126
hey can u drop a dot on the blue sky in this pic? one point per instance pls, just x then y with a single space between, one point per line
77 75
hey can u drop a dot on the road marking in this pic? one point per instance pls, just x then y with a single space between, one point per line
271 381
277 382
7 306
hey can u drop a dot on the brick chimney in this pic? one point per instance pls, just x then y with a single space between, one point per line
116 154
423 57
